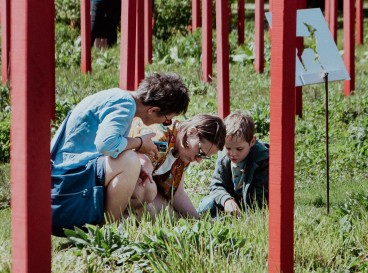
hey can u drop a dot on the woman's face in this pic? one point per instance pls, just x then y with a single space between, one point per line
194 149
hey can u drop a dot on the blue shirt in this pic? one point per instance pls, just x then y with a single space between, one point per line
97 126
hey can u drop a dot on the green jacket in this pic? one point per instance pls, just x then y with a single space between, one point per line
253 184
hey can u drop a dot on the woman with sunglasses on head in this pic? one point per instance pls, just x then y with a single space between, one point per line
179 144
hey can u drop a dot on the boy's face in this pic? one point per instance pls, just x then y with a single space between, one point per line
238 148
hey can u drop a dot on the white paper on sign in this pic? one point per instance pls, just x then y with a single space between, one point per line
320 53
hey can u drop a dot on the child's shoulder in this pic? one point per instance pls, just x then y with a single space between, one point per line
260 150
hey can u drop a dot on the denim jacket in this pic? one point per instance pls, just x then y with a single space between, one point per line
98 125
253 183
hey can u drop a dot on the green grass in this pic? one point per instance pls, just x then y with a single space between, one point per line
335 242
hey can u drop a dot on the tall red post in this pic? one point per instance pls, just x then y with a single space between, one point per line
139 56
259 36
5 40
196 14
32 95
349 47
127 44
359 23
327 11
222 41
147 31
302 4
207 40
85 36
241 17
281 186
333 19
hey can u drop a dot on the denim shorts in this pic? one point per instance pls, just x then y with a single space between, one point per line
78 197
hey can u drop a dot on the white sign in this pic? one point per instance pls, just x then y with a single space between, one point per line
320 54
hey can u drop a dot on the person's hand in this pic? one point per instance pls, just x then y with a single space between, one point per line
148 147
145 176
232 207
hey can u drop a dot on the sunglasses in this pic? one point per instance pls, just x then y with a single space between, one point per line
202 154
167 121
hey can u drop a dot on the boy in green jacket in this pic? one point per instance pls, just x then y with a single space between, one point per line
240 178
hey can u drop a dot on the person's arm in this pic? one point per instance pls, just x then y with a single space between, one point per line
114 126
221 181
182 203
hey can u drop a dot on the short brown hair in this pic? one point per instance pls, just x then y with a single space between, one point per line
240 124
209 127
166 91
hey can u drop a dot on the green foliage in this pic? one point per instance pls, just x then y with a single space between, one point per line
171 17
356 205
112 244
67 12
4 186
67 48
4 123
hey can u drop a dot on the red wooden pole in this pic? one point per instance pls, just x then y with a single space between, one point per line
5 40
127 44
139 56
147 31
222 40
333 19
241 17
86 36
259 36
349 47
359 23
302 4
207 40
327 11
281 186
33 79
196 14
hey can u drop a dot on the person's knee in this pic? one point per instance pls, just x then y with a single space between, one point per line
150 192
129 161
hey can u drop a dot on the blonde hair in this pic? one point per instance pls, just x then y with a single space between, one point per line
240 124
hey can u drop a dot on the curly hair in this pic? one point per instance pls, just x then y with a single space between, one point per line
166 91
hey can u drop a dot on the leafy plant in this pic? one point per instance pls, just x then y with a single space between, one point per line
68 12
171 17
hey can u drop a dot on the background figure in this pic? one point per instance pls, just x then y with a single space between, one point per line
105 19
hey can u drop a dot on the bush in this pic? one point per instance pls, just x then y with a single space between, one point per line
171 17
68 12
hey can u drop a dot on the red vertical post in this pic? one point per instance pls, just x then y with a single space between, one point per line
127 44
147 31
5 40
333 19
33 79
222 41
196 14
259 36
281 189
302 4
327 11
139 56
359 22
207 40
349 46
85 36
241 17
